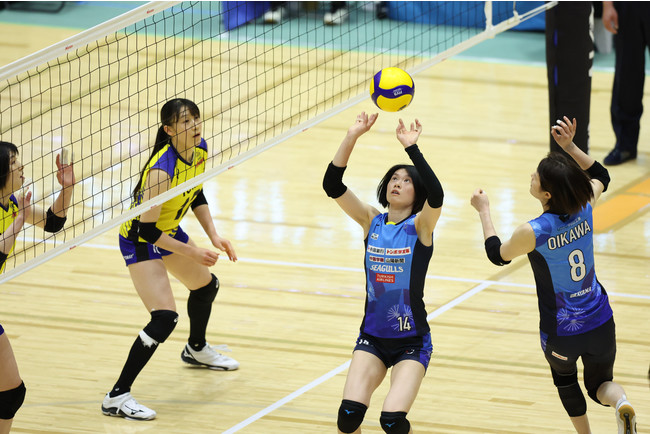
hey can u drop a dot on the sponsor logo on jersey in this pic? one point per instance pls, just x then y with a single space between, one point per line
375 258
581 293
398 252
385 278
375 250
386 268
569 236
198 163
374 236
395 260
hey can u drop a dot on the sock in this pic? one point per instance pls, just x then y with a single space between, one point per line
137 359
199 307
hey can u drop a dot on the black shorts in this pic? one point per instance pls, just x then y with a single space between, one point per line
393 351
597 348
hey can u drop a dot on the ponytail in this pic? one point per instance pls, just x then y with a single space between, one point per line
162 138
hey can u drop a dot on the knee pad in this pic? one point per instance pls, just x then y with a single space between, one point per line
570 393
394 422
351 415
206 294
162 325
11 400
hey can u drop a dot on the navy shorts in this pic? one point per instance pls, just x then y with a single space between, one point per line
1 330
596 348
393 351
137 251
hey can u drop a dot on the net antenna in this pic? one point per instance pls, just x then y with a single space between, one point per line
98 94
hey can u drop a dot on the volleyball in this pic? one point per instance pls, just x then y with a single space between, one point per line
392 89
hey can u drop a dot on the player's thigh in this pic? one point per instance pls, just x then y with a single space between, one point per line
152 284
365 374
405 380
192 274
9 377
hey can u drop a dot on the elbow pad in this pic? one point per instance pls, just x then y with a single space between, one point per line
149 232
597 171
199 199
53 223
333 181
493 250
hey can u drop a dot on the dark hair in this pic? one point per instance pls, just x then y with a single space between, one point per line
7 150
418 186
169 113
569 185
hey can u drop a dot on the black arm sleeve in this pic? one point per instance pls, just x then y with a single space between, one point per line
53 223
149 232
199 199
493 250
597 171
333 181
3 258
435 194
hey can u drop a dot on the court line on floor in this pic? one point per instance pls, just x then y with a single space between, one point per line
360 270
260 414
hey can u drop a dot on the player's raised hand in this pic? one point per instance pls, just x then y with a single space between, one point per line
64 173
25 204
564 132
362 124
408 137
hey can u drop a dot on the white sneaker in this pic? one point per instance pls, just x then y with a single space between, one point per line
274 16
335 18
626 418
126 406
209 358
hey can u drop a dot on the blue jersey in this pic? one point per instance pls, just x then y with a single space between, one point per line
571 300
396 264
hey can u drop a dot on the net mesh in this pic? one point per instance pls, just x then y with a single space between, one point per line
254 83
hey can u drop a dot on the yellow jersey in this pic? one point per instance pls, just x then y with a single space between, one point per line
8 215
169 160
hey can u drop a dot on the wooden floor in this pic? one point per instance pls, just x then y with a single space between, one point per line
290 308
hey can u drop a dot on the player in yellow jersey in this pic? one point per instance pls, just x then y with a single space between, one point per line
154 244
15 211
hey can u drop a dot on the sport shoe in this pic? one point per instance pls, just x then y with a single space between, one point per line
616 156
126 406
336 18
274 16
626 418
209 358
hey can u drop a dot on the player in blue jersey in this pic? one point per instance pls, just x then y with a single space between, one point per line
398 246
153 244
575 317
15 211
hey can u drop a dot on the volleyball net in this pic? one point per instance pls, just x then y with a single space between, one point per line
99 93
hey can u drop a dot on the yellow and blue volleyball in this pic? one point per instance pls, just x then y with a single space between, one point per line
392 89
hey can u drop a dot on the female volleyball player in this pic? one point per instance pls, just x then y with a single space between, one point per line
399 245
15 212
575 317
153 244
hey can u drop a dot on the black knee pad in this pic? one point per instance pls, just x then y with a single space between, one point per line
162 325
570 393
206 294
11 400
394 422
351 415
